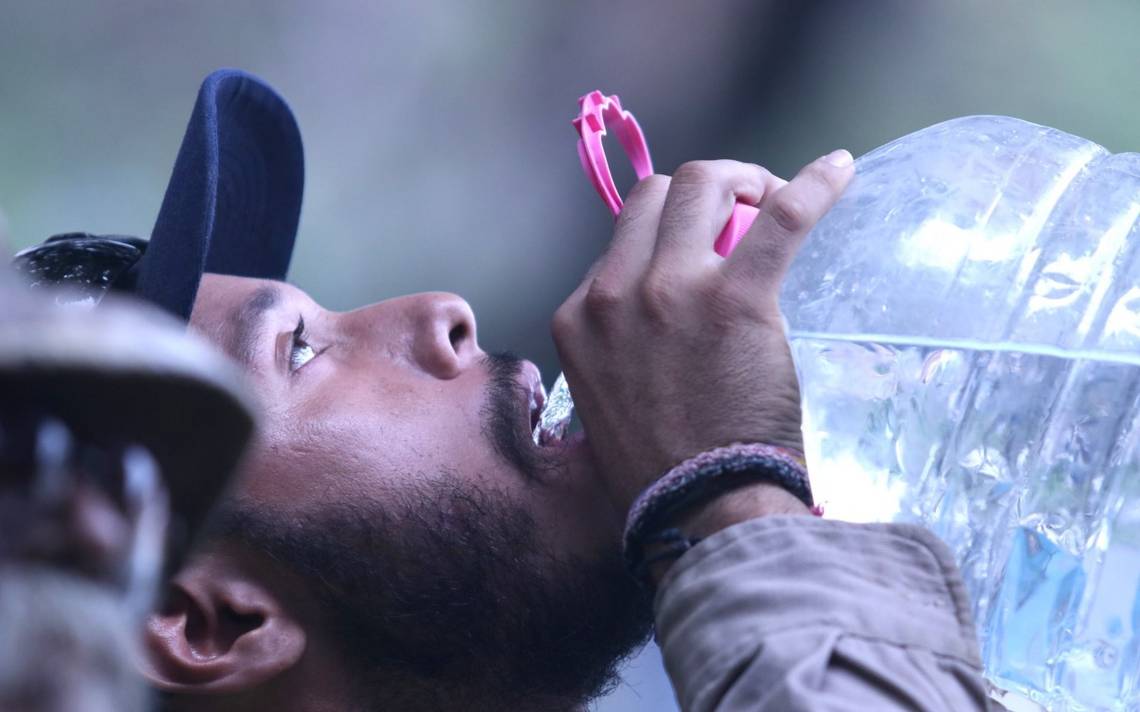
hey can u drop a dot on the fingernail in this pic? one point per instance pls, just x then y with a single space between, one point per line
840 158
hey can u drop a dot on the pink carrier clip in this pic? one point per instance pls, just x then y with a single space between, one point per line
596 112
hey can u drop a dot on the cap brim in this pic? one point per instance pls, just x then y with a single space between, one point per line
234 197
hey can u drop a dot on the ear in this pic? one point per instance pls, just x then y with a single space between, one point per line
221 631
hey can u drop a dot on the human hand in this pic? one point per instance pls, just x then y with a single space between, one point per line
671 350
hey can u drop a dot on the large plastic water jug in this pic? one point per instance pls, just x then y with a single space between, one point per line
966 325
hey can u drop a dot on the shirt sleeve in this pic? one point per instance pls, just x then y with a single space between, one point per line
799 613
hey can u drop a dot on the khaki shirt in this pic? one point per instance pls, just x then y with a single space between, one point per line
798 613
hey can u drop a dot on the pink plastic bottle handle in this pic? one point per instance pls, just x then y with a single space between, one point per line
595 110
743 215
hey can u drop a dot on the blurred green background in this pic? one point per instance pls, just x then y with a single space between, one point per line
438 144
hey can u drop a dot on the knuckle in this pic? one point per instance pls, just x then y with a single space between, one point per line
643 202
789 212
602 299
658 296
562 324
633 213
695 172
655 184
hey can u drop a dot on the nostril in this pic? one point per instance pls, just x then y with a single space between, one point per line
457 334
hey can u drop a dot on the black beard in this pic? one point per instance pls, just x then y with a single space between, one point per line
443 598
506 417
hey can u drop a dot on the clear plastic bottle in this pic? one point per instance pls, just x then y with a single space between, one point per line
966 326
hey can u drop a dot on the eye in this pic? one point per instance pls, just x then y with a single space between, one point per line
300 352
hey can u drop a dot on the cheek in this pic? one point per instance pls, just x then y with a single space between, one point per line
365 439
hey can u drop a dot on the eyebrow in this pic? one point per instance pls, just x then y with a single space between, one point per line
248 321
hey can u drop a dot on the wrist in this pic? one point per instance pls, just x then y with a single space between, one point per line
748 502
690 489
739 505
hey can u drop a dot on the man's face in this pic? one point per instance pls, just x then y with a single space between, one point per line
393 394
404 451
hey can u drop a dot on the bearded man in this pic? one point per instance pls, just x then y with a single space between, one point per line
398 541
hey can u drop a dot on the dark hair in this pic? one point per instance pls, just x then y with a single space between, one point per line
91 264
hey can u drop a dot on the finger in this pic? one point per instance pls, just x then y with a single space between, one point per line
786 216
700 201
773 188
628 252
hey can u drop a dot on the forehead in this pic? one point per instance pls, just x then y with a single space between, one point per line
220 294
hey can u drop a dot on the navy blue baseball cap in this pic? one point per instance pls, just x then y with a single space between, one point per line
231 207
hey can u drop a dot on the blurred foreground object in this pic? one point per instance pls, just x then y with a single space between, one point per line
966 325
118 431
124 373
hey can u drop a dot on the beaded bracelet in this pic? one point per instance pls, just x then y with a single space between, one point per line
697 480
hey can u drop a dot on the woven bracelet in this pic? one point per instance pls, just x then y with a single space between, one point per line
700 479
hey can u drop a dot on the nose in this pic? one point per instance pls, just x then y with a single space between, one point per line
444 342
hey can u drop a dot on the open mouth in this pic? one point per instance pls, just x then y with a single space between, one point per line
536 401
514 405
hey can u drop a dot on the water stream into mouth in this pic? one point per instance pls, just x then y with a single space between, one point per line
556 413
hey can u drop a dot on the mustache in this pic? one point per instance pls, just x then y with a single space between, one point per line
506 416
